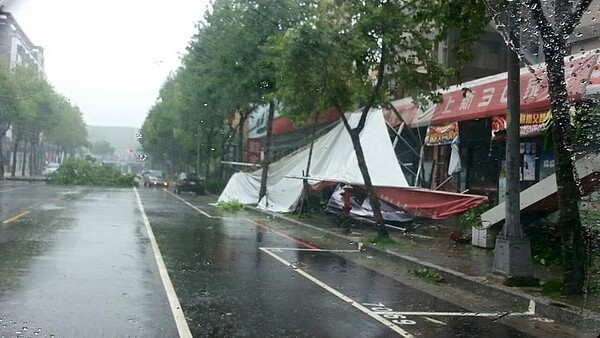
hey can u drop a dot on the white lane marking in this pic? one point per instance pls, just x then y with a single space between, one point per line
531 308
435 321
313 250
343 297
530 311
182 325
461 314
192 206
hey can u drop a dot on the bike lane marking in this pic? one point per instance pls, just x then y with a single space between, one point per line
379 311
390 324
182 325
192 206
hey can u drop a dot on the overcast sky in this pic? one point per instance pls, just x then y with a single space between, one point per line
110 57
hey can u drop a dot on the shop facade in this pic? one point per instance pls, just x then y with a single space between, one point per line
463 138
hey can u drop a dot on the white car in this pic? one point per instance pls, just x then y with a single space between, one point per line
50 169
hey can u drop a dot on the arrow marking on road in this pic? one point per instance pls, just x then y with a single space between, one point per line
343 297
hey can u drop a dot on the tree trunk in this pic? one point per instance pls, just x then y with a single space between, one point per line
24 163
2 156
364 170
573 234
33 158
267 153
240 152
16 144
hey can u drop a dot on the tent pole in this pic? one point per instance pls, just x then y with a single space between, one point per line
402 138
398 133
304 199
418 178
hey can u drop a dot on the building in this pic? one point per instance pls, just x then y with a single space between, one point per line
15 47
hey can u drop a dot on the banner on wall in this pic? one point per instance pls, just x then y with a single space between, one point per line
440 135
253 155
531 123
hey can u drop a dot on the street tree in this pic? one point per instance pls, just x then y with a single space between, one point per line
353 54
102 148
554 23
9 107
68 131
229 53
35 98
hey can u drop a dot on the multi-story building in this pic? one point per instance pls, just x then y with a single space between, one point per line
15 49
15 46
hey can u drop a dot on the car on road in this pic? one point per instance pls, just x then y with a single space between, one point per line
50 169
190 182
154 178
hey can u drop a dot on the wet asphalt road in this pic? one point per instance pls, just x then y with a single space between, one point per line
78 265
81 264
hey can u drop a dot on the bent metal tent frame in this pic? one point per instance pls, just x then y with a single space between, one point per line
334 161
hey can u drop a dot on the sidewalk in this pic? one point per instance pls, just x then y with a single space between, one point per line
462 265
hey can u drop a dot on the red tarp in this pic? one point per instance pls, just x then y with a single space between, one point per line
420 202
428 203
487 96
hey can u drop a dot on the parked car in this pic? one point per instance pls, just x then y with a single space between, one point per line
154 178
50 169
189 182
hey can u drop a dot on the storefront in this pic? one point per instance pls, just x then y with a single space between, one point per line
477 110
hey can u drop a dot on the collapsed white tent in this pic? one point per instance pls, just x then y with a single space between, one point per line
333 159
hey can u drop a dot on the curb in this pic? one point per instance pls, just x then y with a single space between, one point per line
564 313
26 179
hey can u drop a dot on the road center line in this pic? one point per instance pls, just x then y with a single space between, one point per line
180 321
192 206
343 297
16 217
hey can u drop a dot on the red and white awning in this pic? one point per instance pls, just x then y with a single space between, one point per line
486 97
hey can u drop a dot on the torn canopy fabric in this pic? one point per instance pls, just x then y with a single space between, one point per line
333 160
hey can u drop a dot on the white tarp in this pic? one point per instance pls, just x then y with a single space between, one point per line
333 159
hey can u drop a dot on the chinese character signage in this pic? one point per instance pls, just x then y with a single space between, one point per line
488 97
439 135
531 123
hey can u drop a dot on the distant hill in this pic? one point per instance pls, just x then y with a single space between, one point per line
121 138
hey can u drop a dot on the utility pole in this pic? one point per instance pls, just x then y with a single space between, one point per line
513 250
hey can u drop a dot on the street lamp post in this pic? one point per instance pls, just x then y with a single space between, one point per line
513 250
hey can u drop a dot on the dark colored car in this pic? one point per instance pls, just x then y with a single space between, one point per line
189 182
155 178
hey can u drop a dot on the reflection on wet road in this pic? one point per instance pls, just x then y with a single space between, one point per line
81 263
236 277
